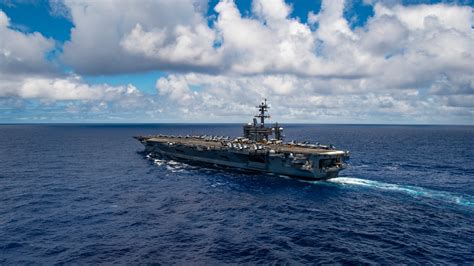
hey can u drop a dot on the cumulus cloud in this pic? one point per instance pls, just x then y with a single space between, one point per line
146 37
406 62
22 53
228 98
415 17
62 89
26 75
70 97
57 8
184 45
110 38
271 43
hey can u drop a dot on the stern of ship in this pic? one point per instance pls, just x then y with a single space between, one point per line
328 165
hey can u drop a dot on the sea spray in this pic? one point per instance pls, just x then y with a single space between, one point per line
415 191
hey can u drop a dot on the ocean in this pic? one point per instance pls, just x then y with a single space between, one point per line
88 194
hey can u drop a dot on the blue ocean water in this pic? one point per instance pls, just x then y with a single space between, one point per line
87 194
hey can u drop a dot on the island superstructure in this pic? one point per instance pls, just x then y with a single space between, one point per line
260 149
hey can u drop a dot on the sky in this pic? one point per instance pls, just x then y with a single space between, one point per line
200 61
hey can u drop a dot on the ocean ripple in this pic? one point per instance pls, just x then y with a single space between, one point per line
87 194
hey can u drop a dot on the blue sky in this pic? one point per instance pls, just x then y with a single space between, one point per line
37 16
363 61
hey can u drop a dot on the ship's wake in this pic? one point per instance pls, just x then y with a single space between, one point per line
414 191
171 165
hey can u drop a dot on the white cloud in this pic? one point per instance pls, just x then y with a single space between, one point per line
22 53
57 8
184 45
146 37
415 17
298 99
271 10
399 67
69 98
138 36
407 62
271 43
26 75
175 88
71 88
4 20
385 36
332 25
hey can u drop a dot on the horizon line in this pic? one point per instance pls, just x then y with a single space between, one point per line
222 123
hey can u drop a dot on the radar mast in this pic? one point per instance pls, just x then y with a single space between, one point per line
263 109
259 132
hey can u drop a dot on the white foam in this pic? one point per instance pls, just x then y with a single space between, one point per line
465 200
360 166
171 165
391 168
159 162
217 184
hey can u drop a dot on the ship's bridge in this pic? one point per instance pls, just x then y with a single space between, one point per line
258 131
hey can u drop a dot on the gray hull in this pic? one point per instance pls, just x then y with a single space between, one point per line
255 151
312 166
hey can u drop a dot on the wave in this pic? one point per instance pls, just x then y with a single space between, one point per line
464 200
170 165
414 191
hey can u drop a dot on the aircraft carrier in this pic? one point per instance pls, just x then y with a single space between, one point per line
261 149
